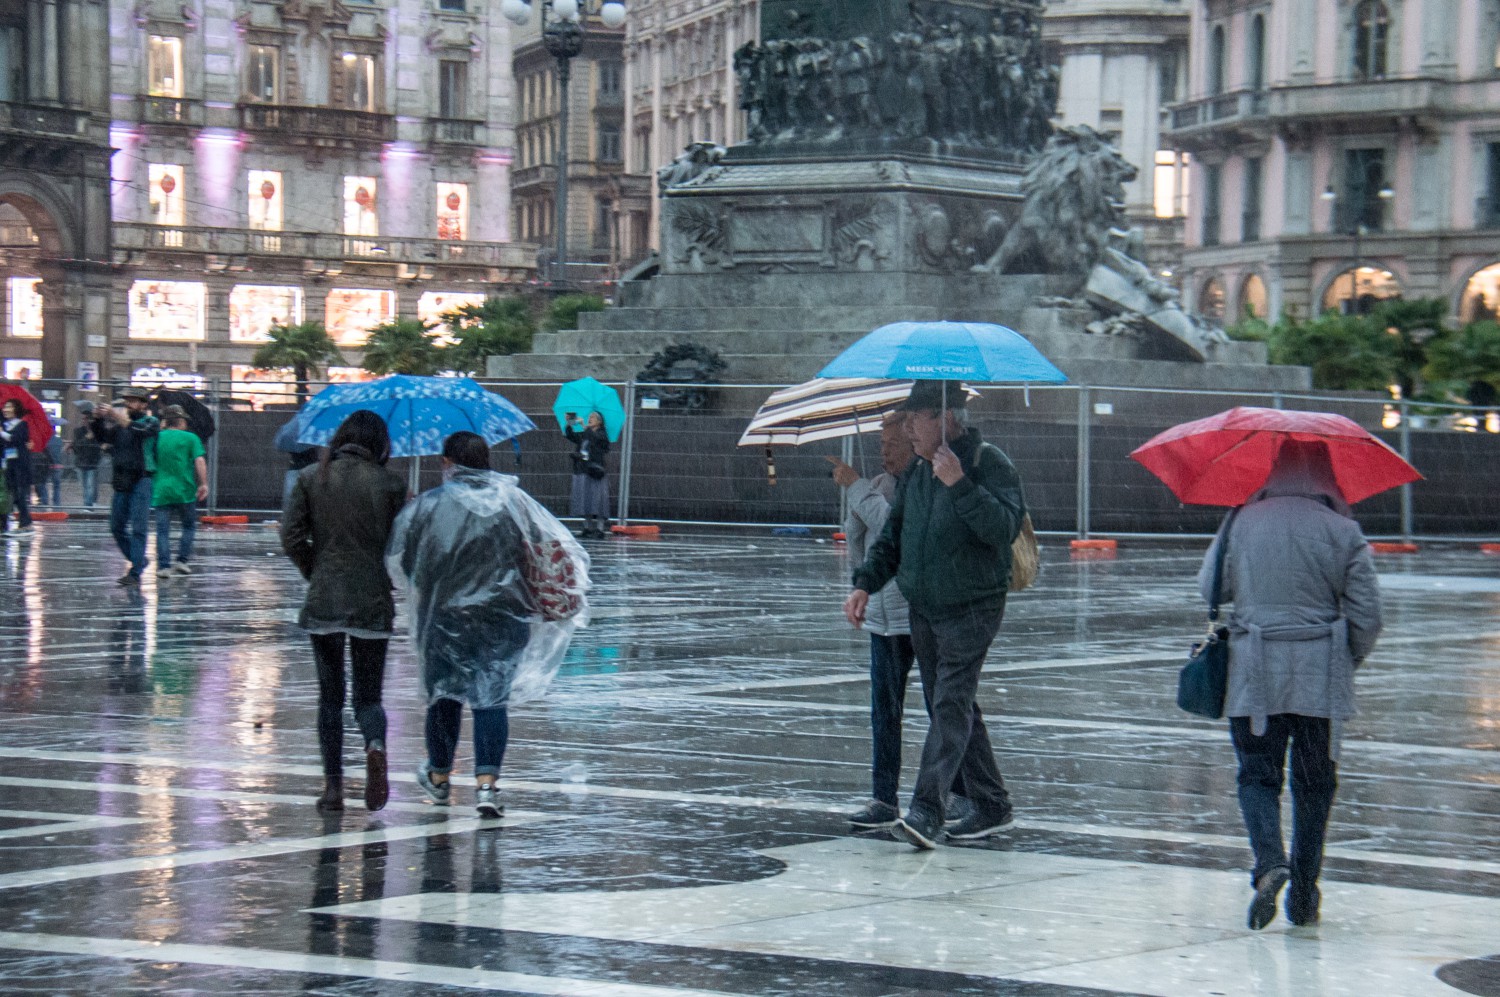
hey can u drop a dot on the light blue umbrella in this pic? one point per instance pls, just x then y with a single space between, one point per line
587 395
421 412
945 351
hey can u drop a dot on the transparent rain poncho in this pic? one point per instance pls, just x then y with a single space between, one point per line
487 614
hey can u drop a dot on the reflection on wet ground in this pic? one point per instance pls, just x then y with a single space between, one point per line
673 807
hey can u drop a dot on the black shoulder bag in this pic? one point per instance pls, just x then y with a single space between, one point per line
1204 680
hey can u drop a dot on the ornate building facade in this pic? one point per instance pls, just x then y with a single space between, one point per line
299 160
681 85
1343 152
608 203
1121 63
55 275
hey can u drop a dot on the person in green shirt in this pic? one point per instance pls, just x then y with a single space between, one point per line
181 483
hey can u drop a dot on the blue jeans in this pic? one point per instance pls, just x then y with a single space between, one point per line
950 654
491 732
1314 780
88 480
187 519
129 513
891 658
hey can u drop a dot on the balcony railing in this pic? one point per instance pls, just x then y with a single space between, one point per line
317 122
322 246
64 122
170 111
1238 106
1366 101
456 131
543 173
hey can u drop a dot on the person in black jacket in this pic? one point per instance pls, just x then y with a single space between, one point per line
590 496
129 429
15 445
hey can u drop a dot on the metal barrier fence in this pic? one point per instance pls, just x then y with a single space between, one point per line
1070 443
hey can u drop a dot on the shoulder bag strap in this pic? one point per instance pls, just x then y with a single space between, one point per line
1218 591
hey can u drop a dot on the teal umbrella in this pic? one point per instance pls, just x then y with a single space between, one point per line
587 395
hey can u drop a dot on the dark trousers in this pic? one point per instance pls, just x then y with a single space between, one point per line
891 658
367 666
129 513
1314 780
491 732
950 654
19 497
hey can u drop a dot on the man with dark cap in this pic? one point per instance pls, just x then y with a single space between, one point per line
947 543
129 429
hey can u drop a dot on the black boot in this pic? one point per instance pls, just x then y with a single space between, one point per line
333 793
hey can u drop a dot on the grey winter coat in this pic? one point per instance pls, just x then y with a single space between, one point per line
1306 600
869 506
335 528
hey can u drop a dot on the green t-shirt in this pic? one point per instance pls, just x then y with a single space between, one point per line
175 482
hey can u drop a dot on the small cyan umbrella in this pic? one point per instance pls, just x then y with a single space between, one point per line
587 395
420 412
1226 458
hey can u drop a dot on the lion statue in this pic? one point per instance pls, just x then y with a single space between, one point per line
1075 205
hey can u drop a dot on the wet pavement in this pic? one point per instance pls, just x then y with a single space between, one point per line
673 807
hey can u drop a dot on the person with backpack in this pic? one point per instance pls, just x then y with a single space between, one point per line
129 429
947 542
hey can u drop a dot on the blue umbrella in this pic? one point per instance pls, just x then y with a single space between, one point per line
945 351
587 395
421 412
286 437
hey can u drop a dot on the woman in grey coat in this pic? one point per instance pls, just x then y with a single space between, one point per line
1306 613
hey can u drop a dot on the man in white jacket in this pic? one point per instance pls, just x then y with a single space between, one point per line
887 620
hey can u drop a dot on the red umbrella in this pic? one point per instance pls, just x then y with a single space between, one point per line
31 410
1226 458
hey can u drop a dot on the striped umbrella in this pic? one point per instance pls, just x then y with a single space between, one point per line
824 409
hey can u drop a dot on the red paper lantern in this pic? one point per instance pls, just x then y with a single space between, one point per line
454 201
362 198
168 184
267 190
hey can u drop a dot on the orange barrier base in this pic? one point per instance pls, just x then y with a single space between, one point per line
636 531
1094 545
1380 547
50 517
224 520
839 538
1489 548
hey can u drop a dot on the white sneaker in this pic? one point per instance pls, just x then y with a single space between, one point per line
486 803
181 568
23 531
163 572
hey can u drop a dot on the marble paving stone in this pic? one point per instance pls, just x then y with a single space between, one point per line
675 802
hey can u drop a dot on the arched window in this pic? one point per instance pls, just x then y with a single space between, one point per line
1254 302
1258 52
1481 300
1216 61
1358 290
1372 24
1211 300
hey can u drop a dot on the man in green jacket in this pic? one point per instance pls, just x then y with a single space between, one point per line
947 543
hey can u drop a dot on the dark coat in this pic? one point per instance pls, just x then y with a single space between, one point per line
590 446
949 548
19 469
132 448
335 528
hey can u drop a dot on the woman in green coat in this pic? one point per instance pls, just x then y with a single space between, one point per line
335 527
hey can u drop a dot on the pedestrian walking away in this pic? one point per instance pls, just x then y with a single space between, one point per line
482 638
129 429
1306 614
590 495
947 543
335 529
49 471
887 620
15 452
86 451
181 483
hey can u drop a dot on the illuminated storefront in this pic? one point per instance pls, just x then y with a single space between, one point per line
254 308
166 309
25 298
433 308
352 312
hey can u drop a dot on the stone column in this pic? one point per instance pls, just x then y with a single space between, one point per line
62 302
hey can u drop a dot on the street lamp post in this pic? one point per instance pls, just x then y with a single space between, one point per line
1356 229
563 23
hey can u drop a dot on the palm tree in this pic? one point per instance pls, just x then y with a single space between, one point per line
499 327
403 346
305 347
